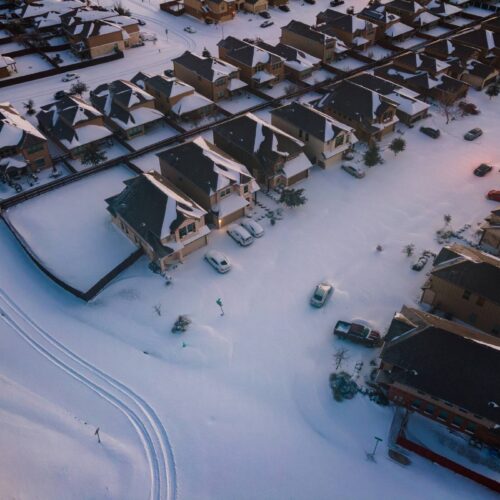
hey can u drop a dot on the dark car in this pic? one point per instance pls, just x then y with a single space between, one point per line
336 3
493 195
169 72
431 132
140 22
482 170
266 24
473 134
284 8
60 94
310 2
265 14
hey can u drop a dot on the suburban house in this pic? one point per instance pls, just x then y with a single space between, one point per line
479 75
159 218
28 11
215 10
370 114
73 125
444 371
465 283
218 183
7 66
325 139
173 97
486 42
410 109
316 43
355 32
126 108
415 62
412 13
211 77
272 156
492 24
457 56
299 65
258 67
23 148
490 233
444 11
255 6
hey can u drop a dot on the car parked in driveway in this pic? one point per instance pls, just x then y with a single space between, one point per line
494 195
254 228
188 29
60 94
266 24
358 333
240 235
218 261
265 14
321 294
473 134
431 132
284 8
482 170
355 171
69 77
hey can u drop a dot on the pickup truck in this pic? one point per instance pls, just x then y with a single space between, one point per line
357 333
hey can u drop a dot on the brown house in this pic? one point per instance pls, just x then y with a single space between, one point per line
465 283
490 233
211 77
413 13
215 10
159 218
258 67
7 66
217 182
444 371
479 75
23 148
486 42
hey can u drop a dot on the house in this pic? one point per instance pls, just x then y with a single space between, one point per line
73 125
215 10
175 98
479 75
23 147
455 55
444 371
211 77
272 156
415 62
255 6
127 109
355 32
299 65
413 14
492 24
325 139
7 66
410 109
258 67
370 114
218 183
490 233
465 283
31 10
159 218
308 39
445 11
486 42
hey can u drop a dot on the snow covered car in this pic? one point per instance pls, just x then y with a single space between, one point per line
493 195
266 24
284 8
254 228
482 170
68 77
355 171
60 94
321 294
147 37
473 134
431 132
218 261
265 14
240 235
357 333
188 29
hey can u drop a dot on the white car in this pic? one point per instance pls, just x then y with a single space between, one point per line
218 261
254 228
188 29
147 37
354 170
321 294
240 235
68 77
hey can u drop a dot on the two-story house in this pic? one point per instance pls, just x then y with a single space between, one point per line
325 139
413 14
272 156
486 42
127 109
258 67
210 76
465 283
159 218
215 10
324 46
217 182
457 56
490 233
370 114
73 125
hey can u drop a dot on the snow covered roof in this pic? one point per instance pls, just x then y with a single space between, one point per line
294 58
39 8
246 53
263 77
190 103
397 29
209 68
6 61
425 18
236 84
86 134
168 87
230 204
296 165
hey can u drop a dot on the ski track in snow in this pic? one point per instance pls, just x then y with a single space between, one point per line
147 424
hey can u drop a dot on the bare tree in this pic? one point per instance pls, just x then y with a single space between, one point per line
157 309
340 356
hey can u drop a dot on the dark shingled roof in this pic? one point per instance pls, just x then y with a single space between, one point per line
202 66
307 31
481 38
243 52
375 83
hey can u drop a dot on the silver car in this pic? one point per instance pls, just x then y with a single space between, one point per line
218 261
354 170
240 235
254 228
321 294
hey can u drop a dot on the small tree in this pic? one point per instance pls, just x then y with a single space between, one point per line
121 10
409 249
92 156
340 356
78 88
397 145
292 197
493 90
206 52
447 219
372 156
29 106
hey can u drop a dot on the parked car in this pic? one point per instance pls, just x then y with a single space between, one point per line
266 24
254 228
240 235
60 94
140 22
310 2
473 134
321 294
355 171
357 333
218 261
147 37
284 8
209 20
336 3
482 170
68 77
265 14
188 29
169 72
494 195
431 132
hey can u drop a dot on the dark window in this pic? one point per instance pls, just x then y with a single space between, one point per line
416 403
339 141
472 318
471 427
443 415
430 409
458 421
496 330
466 295
480 301
245 189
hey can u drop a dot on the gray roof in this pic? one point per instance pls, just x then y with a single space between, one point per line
307 31
244 52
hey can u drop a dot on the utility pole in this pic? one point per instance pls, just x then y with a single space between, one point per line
96 433
371 456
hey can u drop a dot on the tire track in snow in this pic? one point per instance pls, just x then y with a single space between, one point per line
145 421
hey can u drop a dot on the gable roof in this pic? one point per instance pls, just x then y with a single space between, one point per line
421 62
294 58
209 68
168 86
307 31
479 38
247 53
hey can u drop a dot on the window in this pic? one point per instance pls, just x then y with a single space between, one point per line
339 141
466 295
225 192
480 301
35 148
429 409
457 421
184 231
416 403
443 415
472 318
470 427
245 189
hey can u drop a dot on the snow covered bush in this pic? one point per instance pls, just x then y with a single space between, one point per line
292 197
343 387
372 156
181 324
